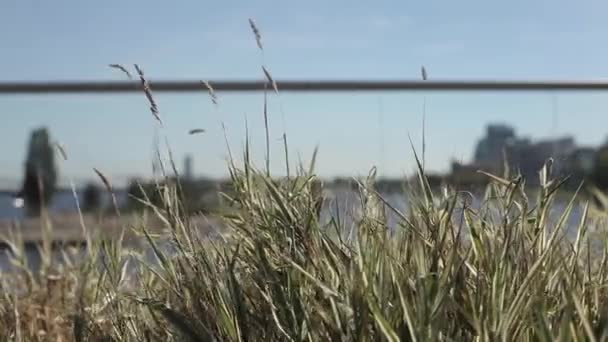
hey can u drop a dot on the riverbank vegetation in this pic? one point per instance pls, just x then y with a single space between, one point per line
502 271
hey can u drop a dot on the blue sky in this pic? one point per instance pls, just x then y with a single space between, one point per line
68 40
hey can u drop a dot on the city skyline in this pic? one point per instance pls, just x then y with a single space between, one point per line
487 161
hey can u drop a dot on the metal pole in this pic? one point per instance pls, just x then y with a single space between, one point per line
56 87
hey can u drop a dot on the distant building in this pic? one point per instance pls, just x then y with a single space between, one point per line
581 162
466 175
524 156
560 150
489 153
528 158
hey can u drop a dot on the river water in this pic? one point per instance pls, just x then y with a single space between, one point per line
62 202
342 204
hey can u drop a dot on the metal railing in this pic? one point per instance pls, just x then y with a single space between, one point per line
44 87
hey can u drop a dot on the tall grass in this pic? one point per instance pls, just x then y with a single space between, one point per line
500 272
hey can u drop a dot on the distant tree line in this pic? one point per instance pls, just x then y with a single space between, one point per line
41 174
188 195
600 173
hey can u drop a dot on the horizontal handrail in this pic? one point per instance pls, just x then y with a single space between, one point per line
23 87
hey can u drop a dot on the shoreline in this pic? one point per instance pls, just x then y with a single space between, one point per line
67 229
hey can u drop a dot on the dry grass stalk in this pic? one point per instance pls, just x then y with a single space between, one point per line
211 92
104 180
256 32
123 69
270 79
148 92
61 150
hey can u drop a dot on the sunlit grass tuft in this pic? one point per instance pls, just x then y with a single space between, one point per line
447 271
